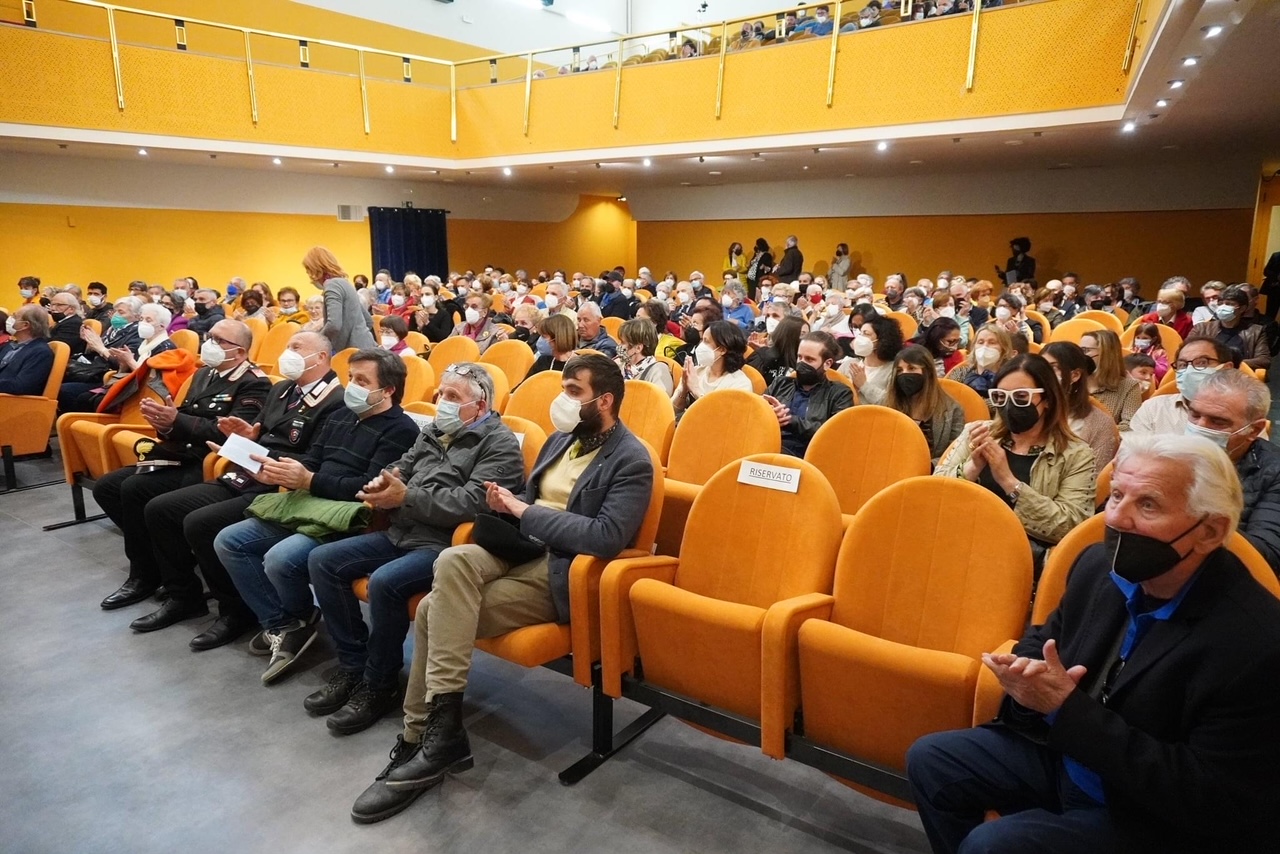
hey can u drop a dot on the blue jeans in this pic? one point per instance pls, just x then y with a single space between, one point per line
268 563
957 776
396 575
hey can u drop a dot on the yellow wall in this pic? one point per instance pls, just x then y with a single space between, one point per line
1201 245
599 235
1268 199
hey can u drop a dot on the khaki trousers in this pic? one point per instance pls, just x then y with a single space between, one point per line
474 595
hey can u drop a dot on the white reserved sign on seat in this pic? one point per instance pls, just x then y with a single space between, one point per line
780 478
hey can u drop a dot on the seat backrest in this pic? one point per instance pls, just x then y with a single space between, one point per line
974 407
1057 566
185 339
341 364
612 325
758 385
95 325
515 358
721 427
455 348
1074 329
531 437
259 328
905 322
417 342
532 400
501 388
788 549
1103 490
1045 326
677 372
648 531
912 571
1106 318
61 355
864 449
421 381
647 412
1170 340
277 338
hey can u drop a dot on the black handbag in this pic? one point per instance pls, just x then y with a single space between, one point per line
499 535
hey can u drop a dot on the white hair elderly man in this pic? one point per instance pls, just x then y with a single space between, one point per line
591 333
1141 715
556 301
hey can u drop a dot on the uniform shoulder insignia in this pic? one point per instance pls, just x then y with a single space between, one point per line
257 372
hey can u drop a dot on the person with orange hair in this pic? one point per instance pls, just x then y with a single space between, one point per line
346 321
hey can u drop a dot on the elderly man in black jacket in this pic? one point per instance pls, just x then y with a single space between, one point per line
792 263
806 399
1142 715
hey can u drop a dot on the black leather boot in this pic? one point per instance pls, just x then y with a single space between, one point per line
445 748
378 802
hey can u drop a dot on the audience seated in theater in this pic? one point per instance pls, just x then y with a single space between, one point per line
877 344
591 333
556 301
1230 409
1011 317
1167 754
434 317
289 309
478 323
1088 421
588 494
775 352
64 314
171 371
228 386
1027 455
942 339
347 321
944 307
392 336
1167 413
437 485
525 317
102 352
656 312
1147 341
97 306
1170 310
1248 340
914 391
830 316
715 364
1109 384
557 340
27 359
315 307
1140 367
266 555
735 310
806 399
1047 303
637 341
183 522
1210 295
206 310
1251 315
252 305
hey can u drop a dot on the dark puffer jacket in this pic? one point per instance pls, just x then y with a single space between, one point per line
1259 471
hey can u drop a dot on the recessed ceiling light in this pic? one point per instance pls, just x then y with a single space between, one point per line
882 146
647 162
276 160
1175 84
389 169
1013 142
686 183
1190 61
1212 31
805 168
1168 148
1129 127
142 152
713 172
1162 103
851 174
447 180
506 170
916 162
622 198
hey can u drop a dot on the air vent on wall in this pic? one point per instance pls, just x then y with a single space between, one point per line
351 213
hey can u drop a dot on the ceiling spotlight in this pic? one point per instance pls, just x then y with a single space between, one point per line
1162 103
389 169
646 162
805 168
1190 61
882 146
1212 32
1013 142
276 160
714 172
622 198
1175 84
1129 127
916 162
142 152
506 170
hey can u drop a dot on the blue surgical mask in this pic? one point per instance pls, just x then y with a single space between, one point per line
1226 312
1218 437
357 399
544 347
1190 379
449 418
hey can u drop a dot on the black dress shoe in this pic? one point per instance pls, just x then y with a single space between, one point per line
225 629
133 590
378 802
365 708
172 611
162 594
335 694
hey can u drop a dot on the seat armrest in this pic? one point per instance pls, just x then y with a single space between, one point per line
780 665
618 644
462 534
584 610
988 693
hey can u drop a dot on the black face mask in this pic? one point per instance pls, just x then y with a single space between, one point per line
1099 304
1138 558
909 385
1019 419
807 374
692 336
202 309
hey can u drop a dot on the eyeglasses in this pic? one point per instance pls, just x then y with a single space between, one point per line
1019 396
1200 363
464 370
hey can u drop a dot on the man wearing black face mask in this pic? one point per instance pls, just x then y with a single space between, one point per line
1141 716
806 400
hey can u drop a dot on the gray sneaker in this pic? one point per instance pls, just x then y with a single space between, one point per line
261 644
286 645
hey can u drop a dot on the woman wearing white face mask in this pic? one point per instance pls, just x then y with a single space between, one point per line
831 318
394 330
992 348
477 322
944 306
1009 315
720 357
877 344
433 316
1170 309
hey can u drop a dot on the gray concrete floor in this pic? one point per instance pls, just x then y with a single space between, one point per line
119 742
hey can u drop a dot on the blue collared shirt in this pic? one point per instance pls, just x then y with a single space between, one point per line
1140 622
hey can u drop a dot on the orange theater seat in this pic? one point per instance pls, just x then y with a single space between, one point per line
864 449
273 344
647 412
692 628
513 358
532 400
917 600
455 348
717 429
27 419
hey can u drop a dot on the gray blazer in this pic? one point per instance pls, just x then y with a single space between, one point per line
445 484
605 509
346 323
